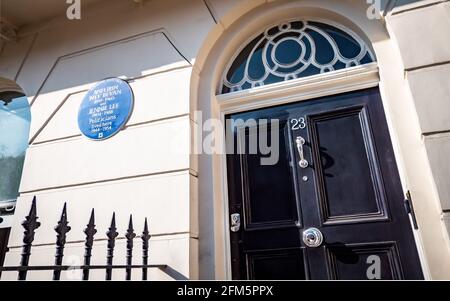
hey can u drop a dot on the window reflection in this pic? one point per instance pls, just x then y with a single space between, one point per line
15 120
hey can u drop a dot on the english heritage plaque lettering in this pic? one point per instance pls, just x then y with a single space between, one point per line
105 109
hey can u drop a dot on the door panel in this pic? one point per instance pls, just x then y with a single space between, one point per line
266 265
265 197
350 190
349 184
351 261
268 190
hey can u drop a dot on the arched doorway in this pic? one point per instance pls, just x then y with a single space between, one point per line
329 204
223 45
15 118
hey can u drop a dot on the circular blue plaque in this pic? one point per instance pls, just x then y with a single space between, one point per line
105 109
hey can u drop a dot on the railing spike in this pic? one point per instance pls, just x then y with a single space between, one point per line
145 238
111 234
130 223
130 235
92 218
30 224
90 231
62 228
146 226
113 221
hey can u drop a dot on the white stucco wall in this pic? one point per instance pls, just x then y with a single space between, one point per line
146 169
420 31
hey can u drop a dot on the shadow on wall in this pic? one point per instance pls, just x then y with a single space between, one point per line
131 57
174 274
121 38
387 6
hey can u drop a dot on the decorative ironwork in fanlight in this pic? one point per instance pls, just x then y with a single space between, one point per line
292 50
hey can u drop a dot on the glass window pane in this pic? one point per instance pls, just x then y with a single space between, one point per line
15 120
292 50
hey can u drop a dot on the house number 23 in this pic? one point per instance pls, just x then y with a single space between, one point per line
298 123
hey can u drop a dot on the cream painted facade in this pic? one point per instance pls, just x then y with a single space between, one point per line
173 53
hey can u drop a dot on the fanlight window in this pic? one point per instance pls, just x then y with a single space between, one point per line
292 50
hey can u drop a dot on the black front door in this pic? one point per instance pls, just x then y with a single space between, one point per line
335 172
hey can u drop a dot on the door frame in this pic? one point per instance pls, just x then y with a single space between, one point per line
296 90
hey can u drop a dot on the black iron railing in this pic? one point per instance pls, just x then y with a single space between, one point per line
30 224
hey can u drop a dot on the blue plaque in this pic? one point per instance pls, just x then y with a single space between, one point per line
105 109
